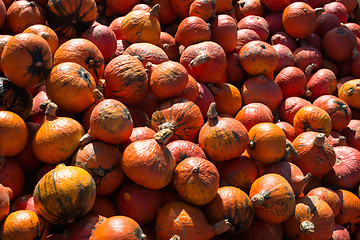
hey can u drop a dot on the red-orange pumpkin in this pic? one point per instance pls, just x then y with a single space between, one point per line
329 196
5 196
349 211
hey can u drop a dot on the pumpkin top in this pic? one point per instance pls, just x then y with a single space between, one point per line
163 136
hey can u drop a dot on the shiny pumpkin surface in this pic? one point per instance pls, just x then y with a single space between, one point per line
349 93
349 215
64 194
47 33
329 196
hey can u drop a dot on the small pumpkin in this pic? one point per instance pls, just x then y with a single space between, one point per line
192 30
170 46
85 226
224 32
182 149
329 196
141 26
23 202
203 8
222 138
24 224
292 81
64 194
191 90
147 52
349 93
256 23
322 82
272 197
254 113
290 106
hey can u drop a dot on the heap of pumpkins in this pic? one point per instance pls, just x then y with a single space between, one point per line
168 119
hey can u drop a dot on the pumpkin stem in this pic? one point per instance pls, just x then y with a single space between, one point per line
84 140
319 11
175 237
290 148
45 35
252 144
98 95
212 113
306 178
196 169
155 10
50 110
222 226
258 199
163 136
143 236
44 104
148 65
166 46
307 227
319 140
199 60
165 126
341 141
99 171
307 93
309 69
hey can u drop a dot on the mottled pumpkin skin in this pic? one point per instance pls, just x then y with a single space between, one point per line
24 224
64 194
339 112
349 92
26 60
349 215
314 210
180 115
47 33
196 180
70 18
233 204
147 52
126 80
278 201
329 196
102 161
83 52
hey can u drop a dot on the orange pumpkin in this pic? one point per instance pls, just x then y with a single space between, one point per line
329 196
312 219
26 60
288 130
182 149
169 45
83 52
23 224
147 52
349 211
148 162
203 8
47 33
118 227
196 180
290 106
166 14
51 145
5 195
222 138
64 194
267 143
103 206
187 222
254 113
316 155
3 40
292 81
224 32
185 33
181 8
191 90
141 26
102 161
349 93
246 8
2 14
273 198
233 204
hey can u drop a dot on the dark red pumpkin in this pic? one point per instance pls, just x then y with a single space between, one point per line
84 228
290 106
352 133
182 149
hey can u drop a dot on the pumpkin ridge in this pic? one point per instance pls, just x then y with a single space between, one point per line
40 200
95 66
182 114
55 190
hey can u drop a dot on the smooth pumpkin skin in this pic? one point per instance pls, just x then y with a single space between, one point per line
203 8
349 215
192 30
310 209
24 224
26 60
278 201
349 93
329 196
47 33
182 149
70 18
64 194
85 227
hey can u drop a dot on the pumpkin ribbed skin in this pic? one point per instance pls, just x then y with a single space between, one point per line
222 138
147 52
233 204
71 87
349 215
23 224
64 194
182 116
47 33
312 219
329 196
272 197
182 149
196 180
26 60
70 18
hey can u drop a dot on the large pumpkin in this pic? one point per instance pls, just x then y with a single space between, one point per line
64 194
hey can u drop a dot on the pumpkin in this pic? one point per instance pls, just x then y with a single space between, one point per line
325 22
329 196
299 19
192 30
126 80
166 14
351 133
71 18
203 8
83 52
282 37
349 211
182 149
239 172
23 202
181 116
322 82
316 154
102 161
267 143
235 74
260 230
181 8
349 91
244 36
170 46
272 197
187 222
148 162
3 40
308 59
246 8
139 203
196 180
141 26
47 33
205 61
117 227
288 130
2 14
225 93
256 23
337 139
204 99
22 14
233 204
312 219
26 60
286 57
312 118
221 137
191 90
110 122
85 226
15 99
290 106
14 134
71 87
224 32
12 176
64 194
103 206
340 232
5 196
254 113
23 224
258 58
292 81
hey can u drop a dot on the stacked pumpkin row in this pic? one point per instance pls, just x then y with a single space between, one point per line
242 122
